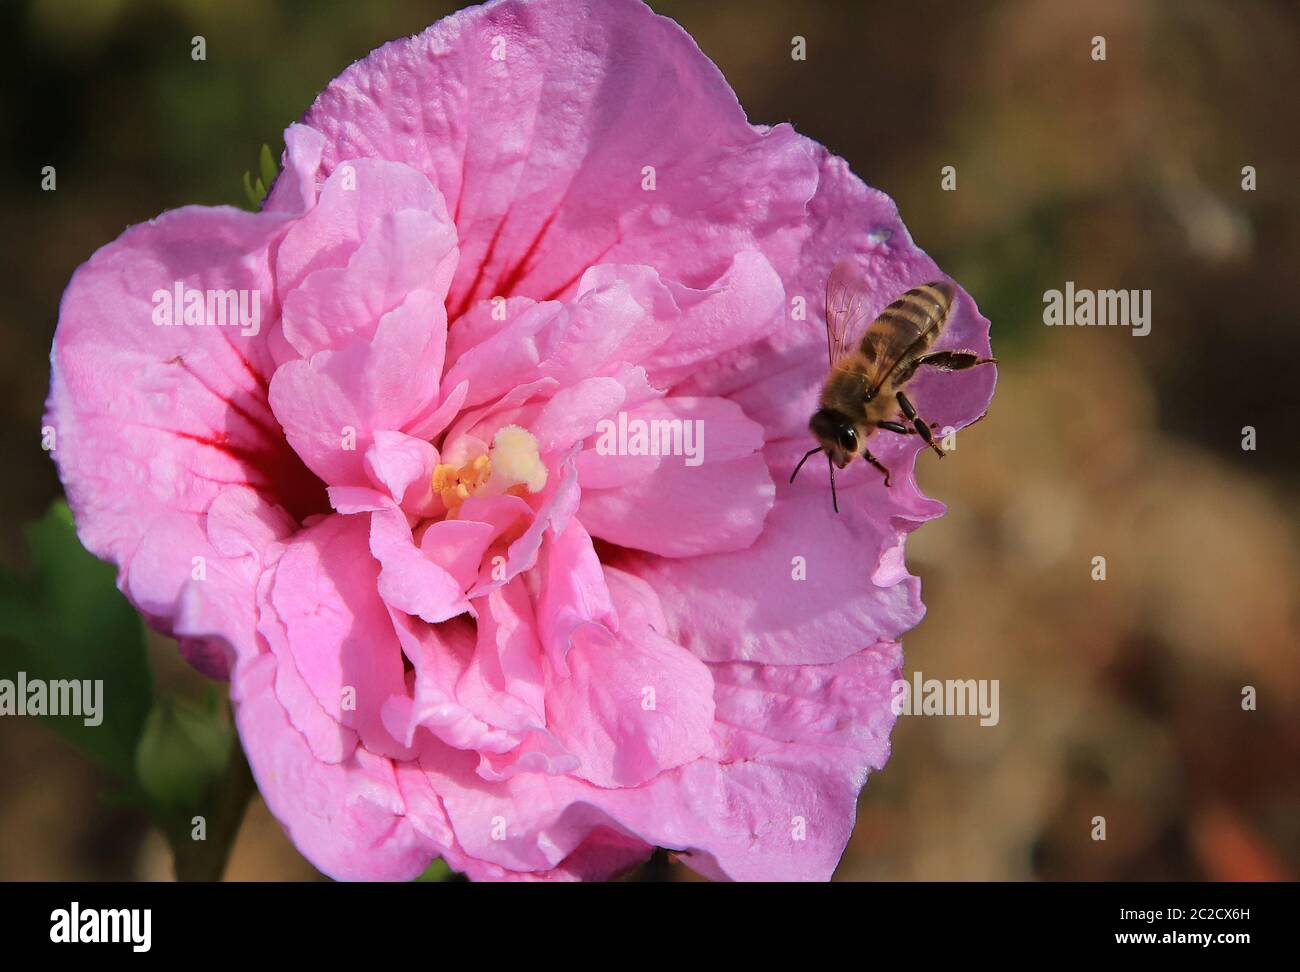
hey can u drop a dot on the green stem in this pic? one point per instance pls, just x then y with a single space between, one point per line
205 860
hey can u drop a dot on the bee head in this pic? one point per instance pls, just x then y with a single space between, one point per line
837 435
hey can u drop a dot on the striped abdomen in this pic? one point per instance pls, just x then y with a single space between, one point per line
906 327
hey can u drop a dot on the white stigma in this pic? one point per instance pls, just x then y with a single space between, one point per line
515 460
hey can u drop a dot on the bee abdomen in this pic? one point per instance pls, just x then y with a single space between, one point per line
920 305
922 310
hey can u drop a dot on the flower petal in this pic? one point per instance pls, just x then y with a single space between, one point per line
779 805
406 251
164 419
708 491
632 706
332 404
810 590
347 818
544 148
403 466
337 627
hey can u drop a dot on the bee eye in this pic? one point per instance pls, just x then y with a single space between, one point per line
848 439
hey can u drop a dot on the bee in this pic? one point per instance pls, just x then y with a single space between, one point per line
864 390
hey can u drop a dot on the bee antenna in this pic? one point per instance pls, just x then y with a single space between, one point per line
810 454
835 500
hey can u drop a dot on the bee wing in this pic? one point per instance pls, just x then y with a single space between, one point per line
847 299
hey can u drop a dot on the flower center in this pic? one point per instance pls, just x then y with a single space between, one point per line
455 484
511 465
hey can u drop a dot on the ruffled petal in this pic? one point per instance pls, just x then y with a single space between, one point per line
332 404
703 488
778 804
403 466
325 596
155 418
348 819
543 148
813 588
404 253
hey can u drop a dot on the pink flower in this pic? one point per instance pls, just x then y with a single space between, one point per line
454 624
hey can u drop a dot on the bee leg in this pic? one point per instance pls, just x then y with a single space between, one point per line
877 463
953 360
900 428
906 405
922 427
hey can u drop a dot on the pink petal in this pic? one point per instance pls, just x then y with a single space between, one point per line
403 466
328 738
347 818
295 190
679 505
406 251
542 153
458 547
779 807
440 655
165 418
749 605
573 597
632 706
618 318
216 617
556 505
409 579
350 206
337 627
504 680
741 306
332 404
572 413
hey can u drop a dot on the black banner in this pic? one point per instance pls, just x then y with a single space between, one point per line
337 922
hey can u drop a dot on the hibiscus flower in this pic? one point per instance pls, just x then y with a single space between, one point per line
404 498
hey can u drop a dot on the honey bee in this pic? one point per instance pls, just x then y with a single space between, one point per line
864 390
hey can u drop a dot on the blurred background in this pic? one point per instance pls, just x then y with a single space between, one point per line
1119 698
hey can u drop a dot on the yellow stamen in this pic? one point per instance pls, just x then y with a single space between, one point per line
512 465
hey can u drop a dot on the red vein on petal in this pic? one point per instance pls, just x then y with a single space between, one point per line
511 280
585 267
294 486
274 436
482 268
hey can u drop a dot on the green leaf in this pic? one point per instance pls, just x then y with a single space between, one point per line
66 620
256 188
255 192
182 753
436 871
269 168
200 855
